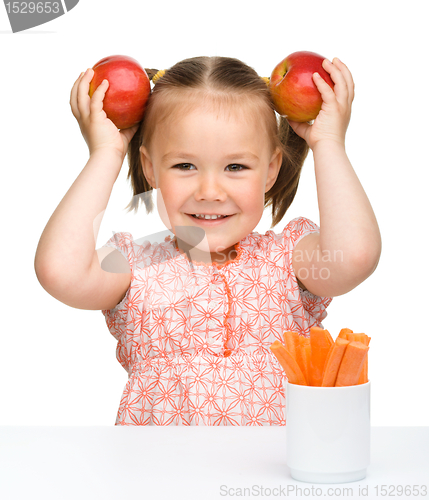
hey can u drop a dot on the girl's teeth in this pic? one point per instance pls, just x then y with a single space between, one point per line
201 216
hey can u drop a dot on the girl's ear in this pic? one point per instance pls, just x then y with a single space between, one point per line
273 169
147 166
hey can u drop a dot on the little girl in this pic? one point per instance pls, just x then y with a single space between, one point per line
194 316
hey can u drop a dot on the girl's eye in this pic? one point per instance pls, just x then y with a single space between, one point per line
236 167
183 166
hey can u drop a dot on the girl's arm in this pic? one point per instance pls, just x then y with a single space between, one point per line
348 247
66 262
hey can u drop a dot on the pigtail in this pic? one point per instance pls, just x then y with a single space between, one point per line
151 73
295 150
139 184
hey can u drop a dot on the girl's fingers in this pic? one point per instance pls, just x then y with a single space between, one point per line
328 95
73 97
341 90
347 77
83 98
96 102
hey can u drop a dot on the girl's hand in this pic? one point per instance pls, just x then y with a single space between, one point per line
98 131
332 121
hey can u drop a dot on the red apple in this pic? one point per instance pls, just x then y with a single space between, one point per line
293 90
129 89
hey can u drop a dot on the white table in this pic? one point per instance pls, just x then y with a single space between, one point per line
202 463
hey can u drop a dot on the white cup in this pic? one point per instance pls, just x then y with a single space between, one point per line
328 432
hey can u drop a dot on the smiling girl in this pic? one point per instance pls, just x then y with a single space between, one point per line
194 316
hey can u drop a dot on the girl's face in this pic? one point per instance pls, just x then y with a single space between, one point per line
207 162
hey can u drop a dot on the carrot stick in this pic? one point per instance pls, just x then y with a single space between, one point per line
320 346
330 342
351 364
365 366
304 349
291 342
329 338
301 356
326 359
363 377
333 362
288 363
343 333
361 337
292 345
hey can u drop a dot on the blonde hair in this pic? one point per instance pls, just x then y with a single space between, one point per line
224 81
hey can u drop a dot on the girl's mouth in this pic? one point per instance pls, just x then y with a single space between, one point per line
214 220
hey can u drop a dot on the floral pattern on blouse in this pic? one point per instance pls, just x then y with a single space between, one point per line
195 339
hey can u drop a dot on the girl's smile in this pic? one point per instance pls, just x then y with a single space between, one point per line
210 163
210 219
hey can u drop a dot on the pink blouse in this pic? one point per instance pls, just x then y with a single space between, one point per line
195 341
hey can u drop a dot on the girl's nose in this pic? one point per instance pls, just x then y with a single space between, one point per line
210 188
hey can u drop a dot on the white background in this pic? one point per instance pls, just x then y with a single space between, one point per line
58 364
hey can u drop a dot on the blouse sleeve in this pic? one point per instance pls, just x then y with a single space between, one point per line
116 318
292 234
